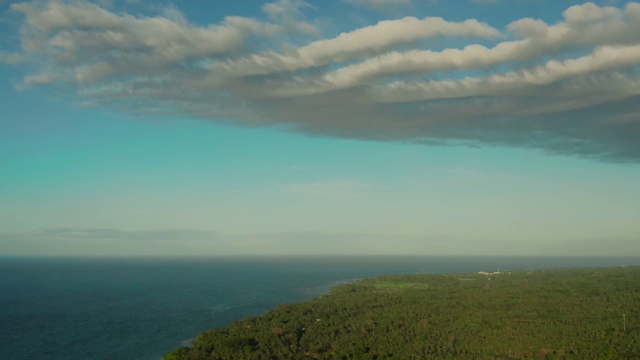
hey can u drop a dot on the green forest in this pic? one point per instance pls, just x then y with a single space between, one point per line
540 314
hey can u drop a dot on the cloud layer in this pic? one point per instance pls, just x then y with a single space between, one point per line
572 87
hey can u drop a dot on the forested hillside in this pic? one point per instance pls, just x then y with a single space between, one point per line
552 314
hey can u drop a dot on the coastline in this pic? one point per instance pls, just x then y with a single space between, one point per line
477 291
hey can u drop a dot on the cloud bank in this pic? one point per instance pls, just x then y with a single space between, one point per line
572 87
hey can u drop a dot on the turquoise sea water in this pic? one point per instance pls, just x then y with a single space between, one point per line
141 308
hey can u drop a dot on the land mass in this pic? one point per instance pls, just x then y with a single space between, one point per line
549 314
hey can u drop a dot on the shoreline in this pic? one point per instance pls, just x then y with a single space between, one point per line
403 287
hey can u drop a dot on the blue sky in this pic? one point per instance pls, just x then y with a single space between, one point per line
339 127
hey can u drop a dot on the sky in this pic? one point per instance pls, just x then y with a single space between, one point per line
341 127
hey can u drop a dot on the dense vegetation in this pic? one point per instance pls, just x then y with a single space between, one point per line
552 314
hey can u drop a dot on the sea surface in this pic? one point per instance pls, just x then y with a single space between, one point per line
142 308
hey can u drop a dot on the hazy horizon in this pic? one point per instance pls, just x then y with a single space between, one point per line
104 242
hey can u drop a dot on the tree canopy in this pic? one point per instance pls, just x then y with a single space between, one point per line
549 314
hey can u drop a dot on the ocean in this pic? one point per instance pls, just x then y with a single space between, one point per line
142 308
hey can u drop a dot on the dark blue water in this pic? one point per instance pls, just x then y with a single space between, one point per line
132 308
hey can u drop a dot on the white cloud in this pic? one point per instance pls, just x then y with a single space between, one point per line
92 43
602 59
589 13
355 44
569 87
539 39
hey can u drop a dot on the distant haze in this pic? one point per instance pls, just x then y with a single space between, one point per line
75 242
